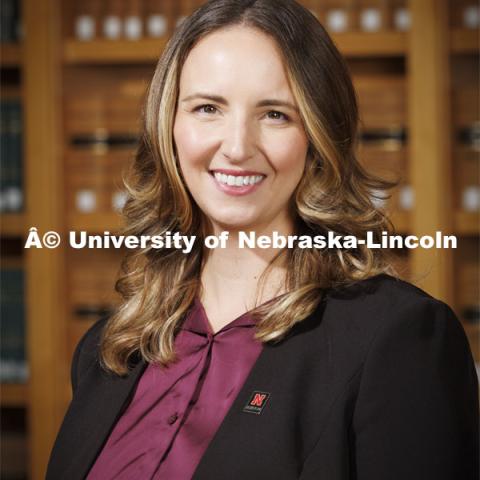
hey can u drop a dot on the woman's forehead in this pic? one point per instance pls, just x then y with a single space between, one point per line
235 56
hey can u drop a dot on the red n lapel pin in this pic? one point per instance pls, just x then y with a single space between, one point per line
257 402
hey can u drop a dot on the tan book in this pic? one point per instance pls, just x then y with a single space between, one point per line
382 101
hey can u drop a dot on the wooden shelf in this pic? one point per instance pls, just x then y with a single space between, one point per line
13 224
14 394
10 55
465 41
378 44
355 44
467 223
401 221
13 92
113 51
94 222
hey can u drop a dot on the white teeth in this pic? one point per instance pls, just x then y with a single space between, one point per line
237 180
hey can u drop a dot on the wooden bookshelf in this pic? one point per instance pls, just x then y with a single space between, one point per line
10 55
378 44
467 223
112 52
465 41
13 224
14 395
94 222
401 222
355 44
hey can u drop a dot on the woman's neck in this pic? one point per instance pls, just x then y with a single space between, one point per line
234 272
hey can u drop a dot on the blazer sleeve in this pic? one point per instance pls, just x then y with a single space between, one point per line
416 413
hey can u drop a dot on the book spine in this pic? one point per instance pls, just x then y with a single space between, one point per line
133 28
12 328
159 18
112 19
3 153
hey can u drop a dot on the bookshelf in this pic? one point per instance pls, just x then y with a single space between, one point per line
464 172
79 139
13 224
14 394
464 41
107 52
10 55
14 381
147 50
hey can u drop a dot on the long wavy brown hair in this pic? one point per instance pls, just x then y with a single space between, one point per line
158 286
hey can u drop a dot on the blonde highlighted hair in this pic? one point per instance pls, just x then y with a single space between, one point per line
158 286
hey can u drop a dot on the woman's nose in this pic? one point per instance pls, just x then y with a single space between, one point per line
238 139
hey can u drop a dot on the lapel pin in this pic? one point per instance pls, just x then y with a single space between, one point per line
257 402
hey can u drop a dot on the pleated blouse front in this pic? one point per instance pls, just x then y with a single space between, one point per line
175 411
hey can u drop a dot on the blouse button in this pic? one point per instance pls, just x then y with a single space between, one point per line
172 419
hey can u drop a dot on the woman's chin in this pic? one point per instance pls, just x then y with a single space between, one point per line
234 224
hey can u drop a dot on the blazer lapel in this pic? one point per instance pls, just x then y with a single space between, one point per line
238 425
88 422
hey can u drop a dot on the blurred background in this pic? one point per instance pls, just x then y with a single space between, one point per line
73 75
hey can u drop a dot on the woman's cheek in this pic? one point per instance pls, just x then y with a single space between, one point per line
285 143
288 156
189 144
199 140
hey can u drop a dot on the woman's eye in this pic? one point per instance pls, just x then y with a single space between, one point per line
274 115
205 109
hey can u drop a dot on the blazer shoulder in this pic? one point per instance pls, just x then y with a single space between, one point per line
381 292
418 382
86 351
384 302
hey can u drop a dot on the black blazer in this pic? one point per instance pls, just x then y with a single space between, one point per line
378 383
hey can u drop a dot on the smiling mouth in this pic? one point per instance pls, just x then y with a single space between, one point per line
237 180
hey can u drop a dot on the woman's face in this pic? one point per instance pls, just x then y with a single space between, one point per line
240 141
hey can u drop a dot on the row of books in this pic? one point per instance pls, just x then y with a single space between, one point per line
465 14
114 107
13 364
14 453
11 155
94 168
134 19
94 178
94 184
10 25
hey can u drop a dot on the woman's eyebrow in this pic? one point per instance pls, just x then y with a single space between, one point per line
221 100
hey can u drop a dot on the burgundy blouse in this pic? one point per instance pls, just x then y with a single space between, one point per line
176 411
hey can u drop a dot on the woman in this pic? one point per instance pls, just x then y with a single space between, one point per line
263 363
